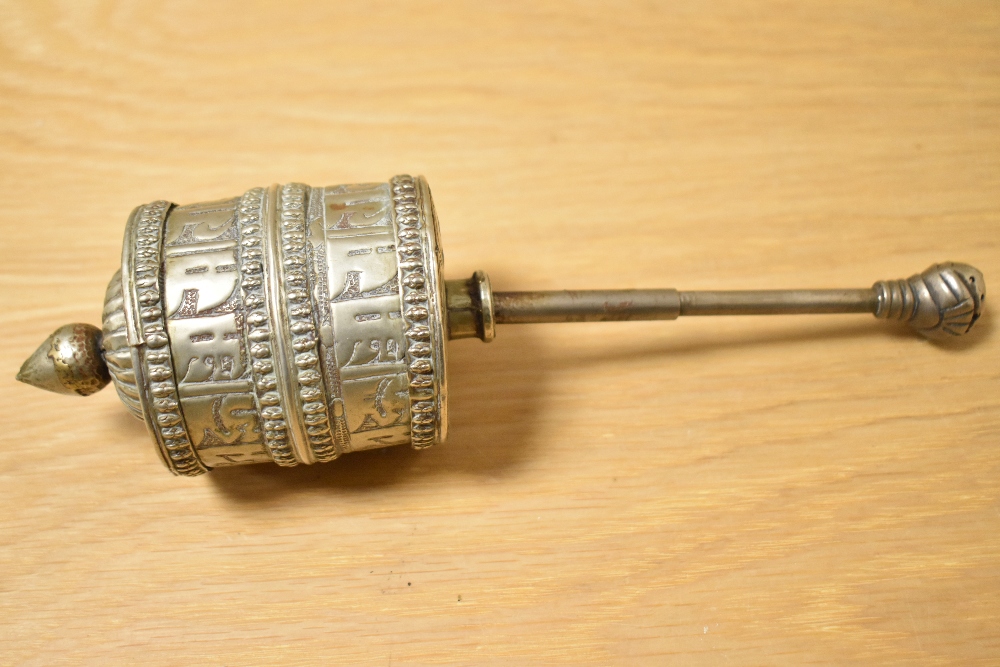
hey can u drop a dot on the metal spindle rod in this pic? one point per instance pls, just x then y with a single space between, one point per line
669 304
944 300
586 306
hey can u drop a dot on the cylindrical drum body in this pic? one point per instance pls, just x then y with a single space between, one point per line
290 324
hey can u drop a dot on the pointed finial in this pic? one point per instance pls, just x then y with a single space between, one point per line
68 362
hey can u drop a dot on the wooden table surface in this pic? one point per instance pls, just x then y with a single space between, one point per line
755 491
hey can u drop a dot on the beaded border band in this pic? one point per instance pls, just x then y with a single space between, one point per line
311 389
162 404
416 313
258 327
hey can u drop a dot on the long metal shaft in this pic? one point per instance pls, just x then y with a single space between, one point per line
945 300
669 304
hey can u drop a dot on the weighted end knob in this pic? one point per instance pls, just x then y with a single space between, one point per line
945 300
68 362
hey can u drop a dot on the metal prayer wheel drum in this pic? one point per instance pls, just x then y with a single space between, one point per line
290 324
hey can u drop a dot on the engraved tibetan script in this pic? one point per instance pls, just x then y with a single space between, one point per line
205 321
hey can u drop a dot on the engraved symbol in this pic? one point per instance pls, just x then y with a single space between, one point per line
187 236
189 305
369 424
224 435
217 416
212 439
205 369
389 404
379 395
200 369
374 213
388 354
400 415
352 288
225 371
200 231
344 222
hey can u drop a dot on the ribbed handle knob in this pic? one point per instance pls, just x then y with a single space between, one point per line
945 300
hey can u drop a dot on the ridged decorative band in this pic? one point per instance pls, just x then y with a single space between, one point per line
896 300
414 278
162 406
310 391
258 327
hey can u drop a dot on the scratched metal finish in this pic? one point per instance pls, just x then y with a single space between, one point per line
205 321
353 237
290 336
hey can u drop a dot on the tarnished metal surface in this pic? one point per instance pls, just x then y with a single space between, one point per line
294 324
943 301
470 308
68 362
290 324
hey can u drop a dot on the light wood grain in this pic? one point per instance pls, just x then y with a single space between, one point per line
785 491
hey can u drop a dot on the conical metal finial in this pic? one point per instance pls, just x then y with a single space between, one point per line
68 362
294 324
